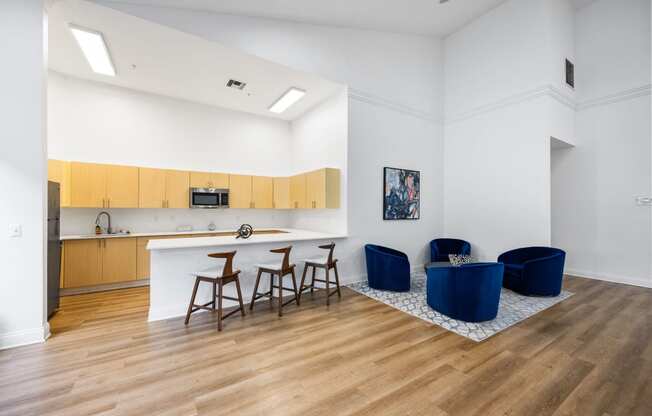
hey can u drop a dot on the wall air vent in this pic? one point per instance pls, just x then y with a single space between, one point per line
238 85
570 74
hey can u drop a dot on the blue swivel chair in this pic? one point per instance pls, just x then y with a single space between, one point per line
534 271
387 269
440 248
469 292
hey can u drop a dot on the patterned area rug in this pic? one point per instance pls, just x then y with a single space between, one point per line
512 309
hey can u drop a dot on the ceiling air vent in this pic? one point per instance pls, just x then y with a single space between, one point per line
238 85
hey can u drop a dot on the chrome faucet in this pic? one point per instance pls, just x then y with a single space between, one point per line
108 217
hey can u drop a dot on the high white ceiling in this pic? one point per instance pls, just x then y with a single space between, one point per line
427 17
157 59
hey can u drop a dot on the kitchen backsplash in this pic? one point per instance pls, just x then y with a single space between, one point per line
82 220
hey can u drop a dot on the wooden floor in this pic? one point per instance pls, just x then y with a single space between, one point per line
589 355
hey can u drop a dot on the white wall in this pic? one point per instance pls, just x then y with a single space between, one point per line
320 139
96 122
395 105
504 100
22 173
497 179
595 217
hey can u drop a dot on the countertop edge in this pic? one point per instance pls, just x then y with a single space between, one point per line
152 234
231 241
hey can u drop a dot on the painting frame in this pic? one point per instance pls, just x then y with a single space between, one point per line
396 207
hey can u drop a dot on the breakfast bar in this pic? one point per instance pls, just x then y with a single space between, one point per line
173 262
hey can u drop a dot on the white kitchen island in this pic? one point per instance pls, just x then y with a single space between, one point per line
174 260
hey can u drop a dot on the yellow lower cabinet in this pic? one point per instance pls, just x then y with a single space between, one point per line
119 260
82 263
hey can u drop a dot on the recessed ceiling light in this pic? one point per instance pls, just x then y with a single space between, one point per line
287 100
95 50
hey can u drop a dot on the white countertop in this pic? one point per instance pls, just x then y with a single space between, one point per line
288 235
132 235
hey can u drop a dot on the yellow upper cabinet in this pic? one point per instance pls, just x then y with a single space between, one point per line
87 185
152 188
92 185
121 186
323 188
282 193
209 180
161 188
240 191
262 189
177 189
103 186
59 172
298 191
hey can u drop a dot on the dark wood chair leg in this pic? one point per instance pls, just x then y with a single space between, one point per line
271 290
192 300
253 298
294 285
303 280
312 284
219 305
214 294
237 285
280 294
328 290
337 281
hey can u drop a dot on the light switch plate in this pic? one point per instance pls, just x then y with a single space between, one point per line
644 200
15 231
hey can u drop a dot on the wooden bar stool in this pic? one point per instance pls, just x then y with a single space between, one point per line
325 263
218 278
281 269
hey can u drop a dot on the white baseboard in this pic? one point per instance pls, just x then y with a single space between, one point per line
626 280
24 337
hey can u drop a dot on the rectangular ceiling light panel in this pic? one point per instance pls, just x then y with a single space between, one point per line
287 100
95 50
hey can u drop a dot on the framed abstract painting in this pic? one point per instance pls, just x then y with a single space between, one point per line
401 194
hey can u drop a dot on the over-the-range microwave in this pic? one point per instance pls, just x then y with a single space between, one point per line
209 198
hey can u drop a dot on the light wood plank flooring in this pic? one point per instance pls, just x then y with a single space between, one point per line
589 355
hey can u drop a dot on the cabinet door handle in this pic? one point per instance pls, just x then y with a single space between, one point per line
108 203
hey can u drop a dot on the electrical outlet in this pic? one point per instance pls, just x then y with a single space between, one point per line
15 231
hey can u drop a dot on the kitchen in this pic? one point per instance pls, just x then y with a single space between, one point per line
184 141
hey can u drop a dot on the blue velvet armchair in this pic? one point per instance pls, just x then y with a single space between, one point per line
534 271
470 292
387 269
440 248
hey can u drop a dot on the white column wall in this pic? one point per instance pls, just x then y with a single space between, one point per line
22 173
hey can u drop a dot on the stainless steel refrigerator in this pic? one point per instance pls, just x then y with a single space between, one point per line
54 248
